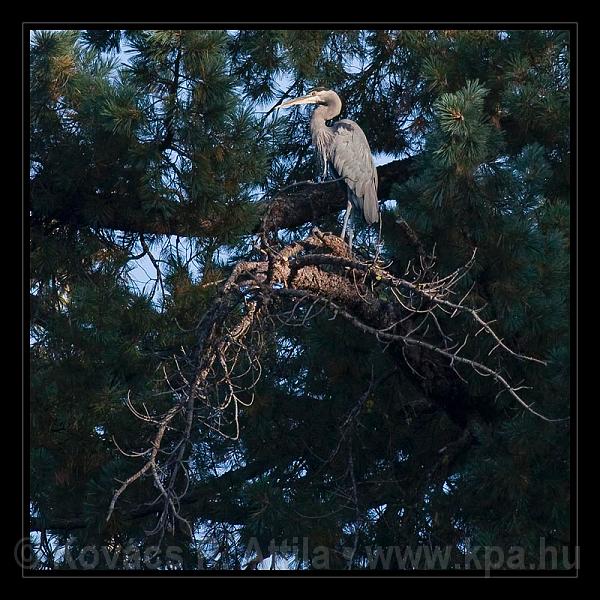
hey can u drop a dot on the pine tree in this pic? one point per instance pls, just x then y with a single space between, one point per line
159 149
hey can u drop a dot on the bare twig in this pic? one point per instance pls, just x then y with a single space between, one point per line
291 286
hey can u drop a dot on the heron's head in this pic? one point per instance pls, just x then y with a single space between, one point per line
317 96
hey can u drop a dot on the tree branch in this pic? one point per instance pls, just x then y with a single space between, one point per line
292 286
303 204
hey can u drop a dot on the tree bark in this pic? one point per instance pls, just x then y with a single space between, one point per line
292 208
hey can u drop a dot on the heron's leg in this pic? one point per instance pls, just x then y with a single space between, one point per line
323 177
348 209
350 238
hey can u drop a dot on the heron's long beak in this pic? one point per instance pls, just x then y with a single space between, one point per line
301 100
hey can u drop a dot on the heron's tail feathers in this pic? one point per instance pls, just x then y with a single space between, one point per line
371 206
367 203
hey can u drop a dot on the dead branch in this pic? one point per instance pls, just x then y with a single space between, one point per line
292 285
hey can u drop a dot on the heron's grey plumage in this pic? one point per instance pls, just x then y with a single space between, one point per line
344 146
351 158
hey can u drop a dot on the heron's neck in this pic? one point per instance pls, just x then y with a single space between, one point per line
323 113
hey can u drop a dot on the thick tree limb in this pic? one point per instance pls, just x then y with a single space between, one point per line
292 208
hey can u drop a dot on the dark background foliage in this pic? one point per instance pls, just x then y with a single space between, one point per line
150 148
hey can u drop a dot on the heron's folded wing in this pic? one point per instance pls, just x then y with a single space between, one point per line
351 157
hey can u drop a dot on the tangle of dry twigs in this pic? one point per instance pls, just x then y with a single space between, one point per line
291 286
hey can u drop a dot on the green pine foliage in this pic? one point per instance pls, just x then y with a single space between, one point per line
130 128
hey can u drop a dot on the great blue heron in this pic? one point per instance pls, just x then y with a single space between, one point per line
345 147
